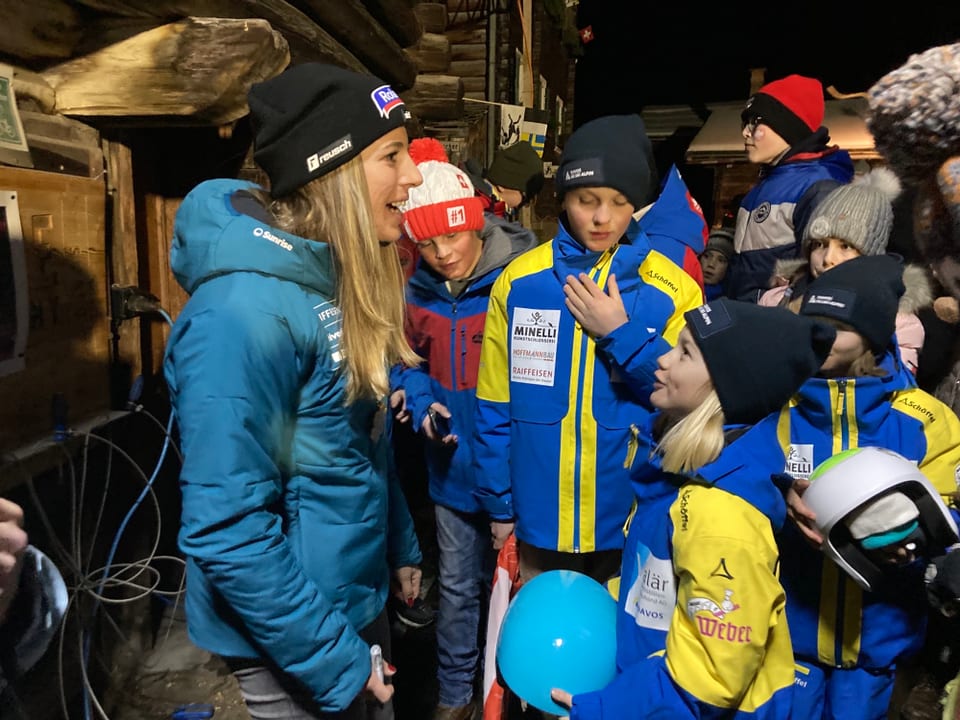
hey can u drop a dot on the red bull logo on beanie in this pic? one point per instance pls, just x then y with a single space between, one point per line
386 99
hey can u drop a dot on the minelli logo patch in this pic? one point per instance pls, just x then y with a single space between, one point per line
799 464
331 151
385 99
456 216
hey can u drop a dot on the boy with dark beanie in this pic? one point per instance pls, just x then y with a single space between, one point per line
573 331
514 179
861 397
516 174
783 134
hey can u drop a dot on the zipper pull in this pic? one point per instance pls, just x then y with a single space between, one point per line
633 444
841 396
605 257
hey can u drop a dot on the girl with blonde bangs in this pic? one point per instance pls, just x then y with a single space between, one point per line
701 627
693 440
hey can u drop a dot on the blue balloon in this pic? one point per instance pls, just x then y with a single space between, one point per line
558 632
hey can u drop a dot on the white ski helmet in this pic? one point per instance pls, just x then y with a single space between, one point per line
843 483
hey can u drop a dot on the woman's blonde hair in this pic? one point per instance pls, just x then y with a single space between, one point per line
335 209
694 440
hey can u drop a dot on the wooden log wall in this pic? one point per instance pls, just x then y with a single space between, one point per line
452 70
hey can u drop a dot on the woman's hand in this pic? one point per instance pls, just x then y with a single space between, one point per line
377 686
406 582
597 312
801 514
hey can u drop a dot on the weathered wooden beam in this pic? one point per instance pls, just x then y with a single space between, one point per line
436 97
58 127
431 54
349 22
468 68
307 40
29 86
59 144
468 51
124 257
39 29
199 68
432 16
467 35
398 18
474 85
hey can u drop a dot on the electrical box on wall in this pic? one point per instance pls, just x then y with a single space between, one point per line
64 290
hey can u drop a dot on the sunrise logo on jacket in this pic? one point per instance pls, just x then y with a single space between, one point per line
267 235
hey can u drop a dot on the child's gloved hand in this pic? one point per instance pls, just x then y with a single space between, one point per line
942 579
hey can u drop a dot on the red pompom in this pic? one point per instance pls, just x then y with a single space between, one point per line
424 149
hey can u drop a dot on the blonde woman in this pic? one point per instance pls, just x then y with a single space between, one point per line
701 629
278 371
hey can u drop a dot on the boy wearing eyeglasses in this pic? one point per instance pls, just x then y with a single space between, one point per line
462 251
783 133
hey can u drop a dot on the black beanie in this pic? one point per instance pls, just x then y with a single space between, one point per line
758 357
517 167
611 151
314 117
864 293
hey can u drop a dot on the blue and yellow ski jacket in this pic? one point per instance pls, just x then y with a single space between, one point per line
833 622
554 406
701 626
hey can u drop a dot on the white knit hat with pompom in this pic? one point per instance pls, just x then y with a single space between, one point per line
445 202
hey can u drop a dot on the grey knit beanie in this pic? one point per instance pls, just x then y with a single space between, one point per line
859 213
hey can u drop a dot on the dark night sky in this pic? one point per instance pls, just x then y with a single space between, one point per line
669 52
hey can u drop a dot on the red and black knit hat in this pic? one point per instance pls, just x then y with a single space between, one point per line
793 106
445 202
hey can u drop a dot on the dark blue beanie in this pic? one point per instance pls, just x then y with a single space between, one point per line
864 293
611 151
758 357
